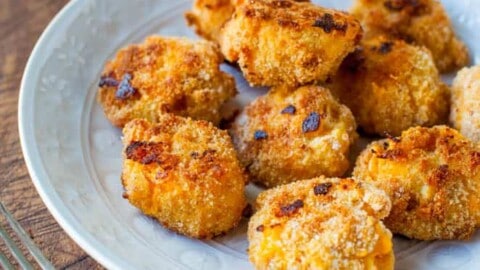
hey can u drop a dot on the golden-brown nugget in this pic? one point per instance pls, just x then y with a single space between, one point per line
432 176
465 110
390 86
321 224
288 135
208 16
287 42
422 22
185 174
165 75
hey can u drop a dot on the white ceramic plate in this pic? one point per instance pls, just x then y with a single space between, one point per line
73 153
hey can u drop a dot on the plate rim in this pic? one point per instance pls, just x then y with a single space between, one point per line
29 145
33 161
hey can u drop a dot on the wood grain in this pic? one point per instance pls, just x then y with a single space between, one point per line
21 23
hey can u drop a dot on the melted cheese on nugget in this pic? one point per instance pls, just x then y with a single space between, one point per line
321 223
185 174
432 176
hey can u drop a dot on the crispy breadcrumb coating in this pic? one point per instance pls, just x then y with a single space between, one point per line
321 223
465 112
165 75
421 22
288 135
390 86
208 16
287 42
432 176
185 174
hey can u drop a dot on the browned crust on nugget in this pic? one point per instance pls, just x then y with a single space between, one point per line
296 227
288 135
465 109
208 16
288 42
421 22
165 75
433 178
185 174
391 86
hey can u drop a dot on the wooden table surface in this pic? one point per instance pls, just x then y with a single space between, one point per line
21 23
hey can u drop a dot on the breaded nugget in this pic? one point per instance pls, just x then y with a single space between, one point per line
432 176
321 224
465 112
185 174
390 86
421 22
288 135
165 75
287 42
208 16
